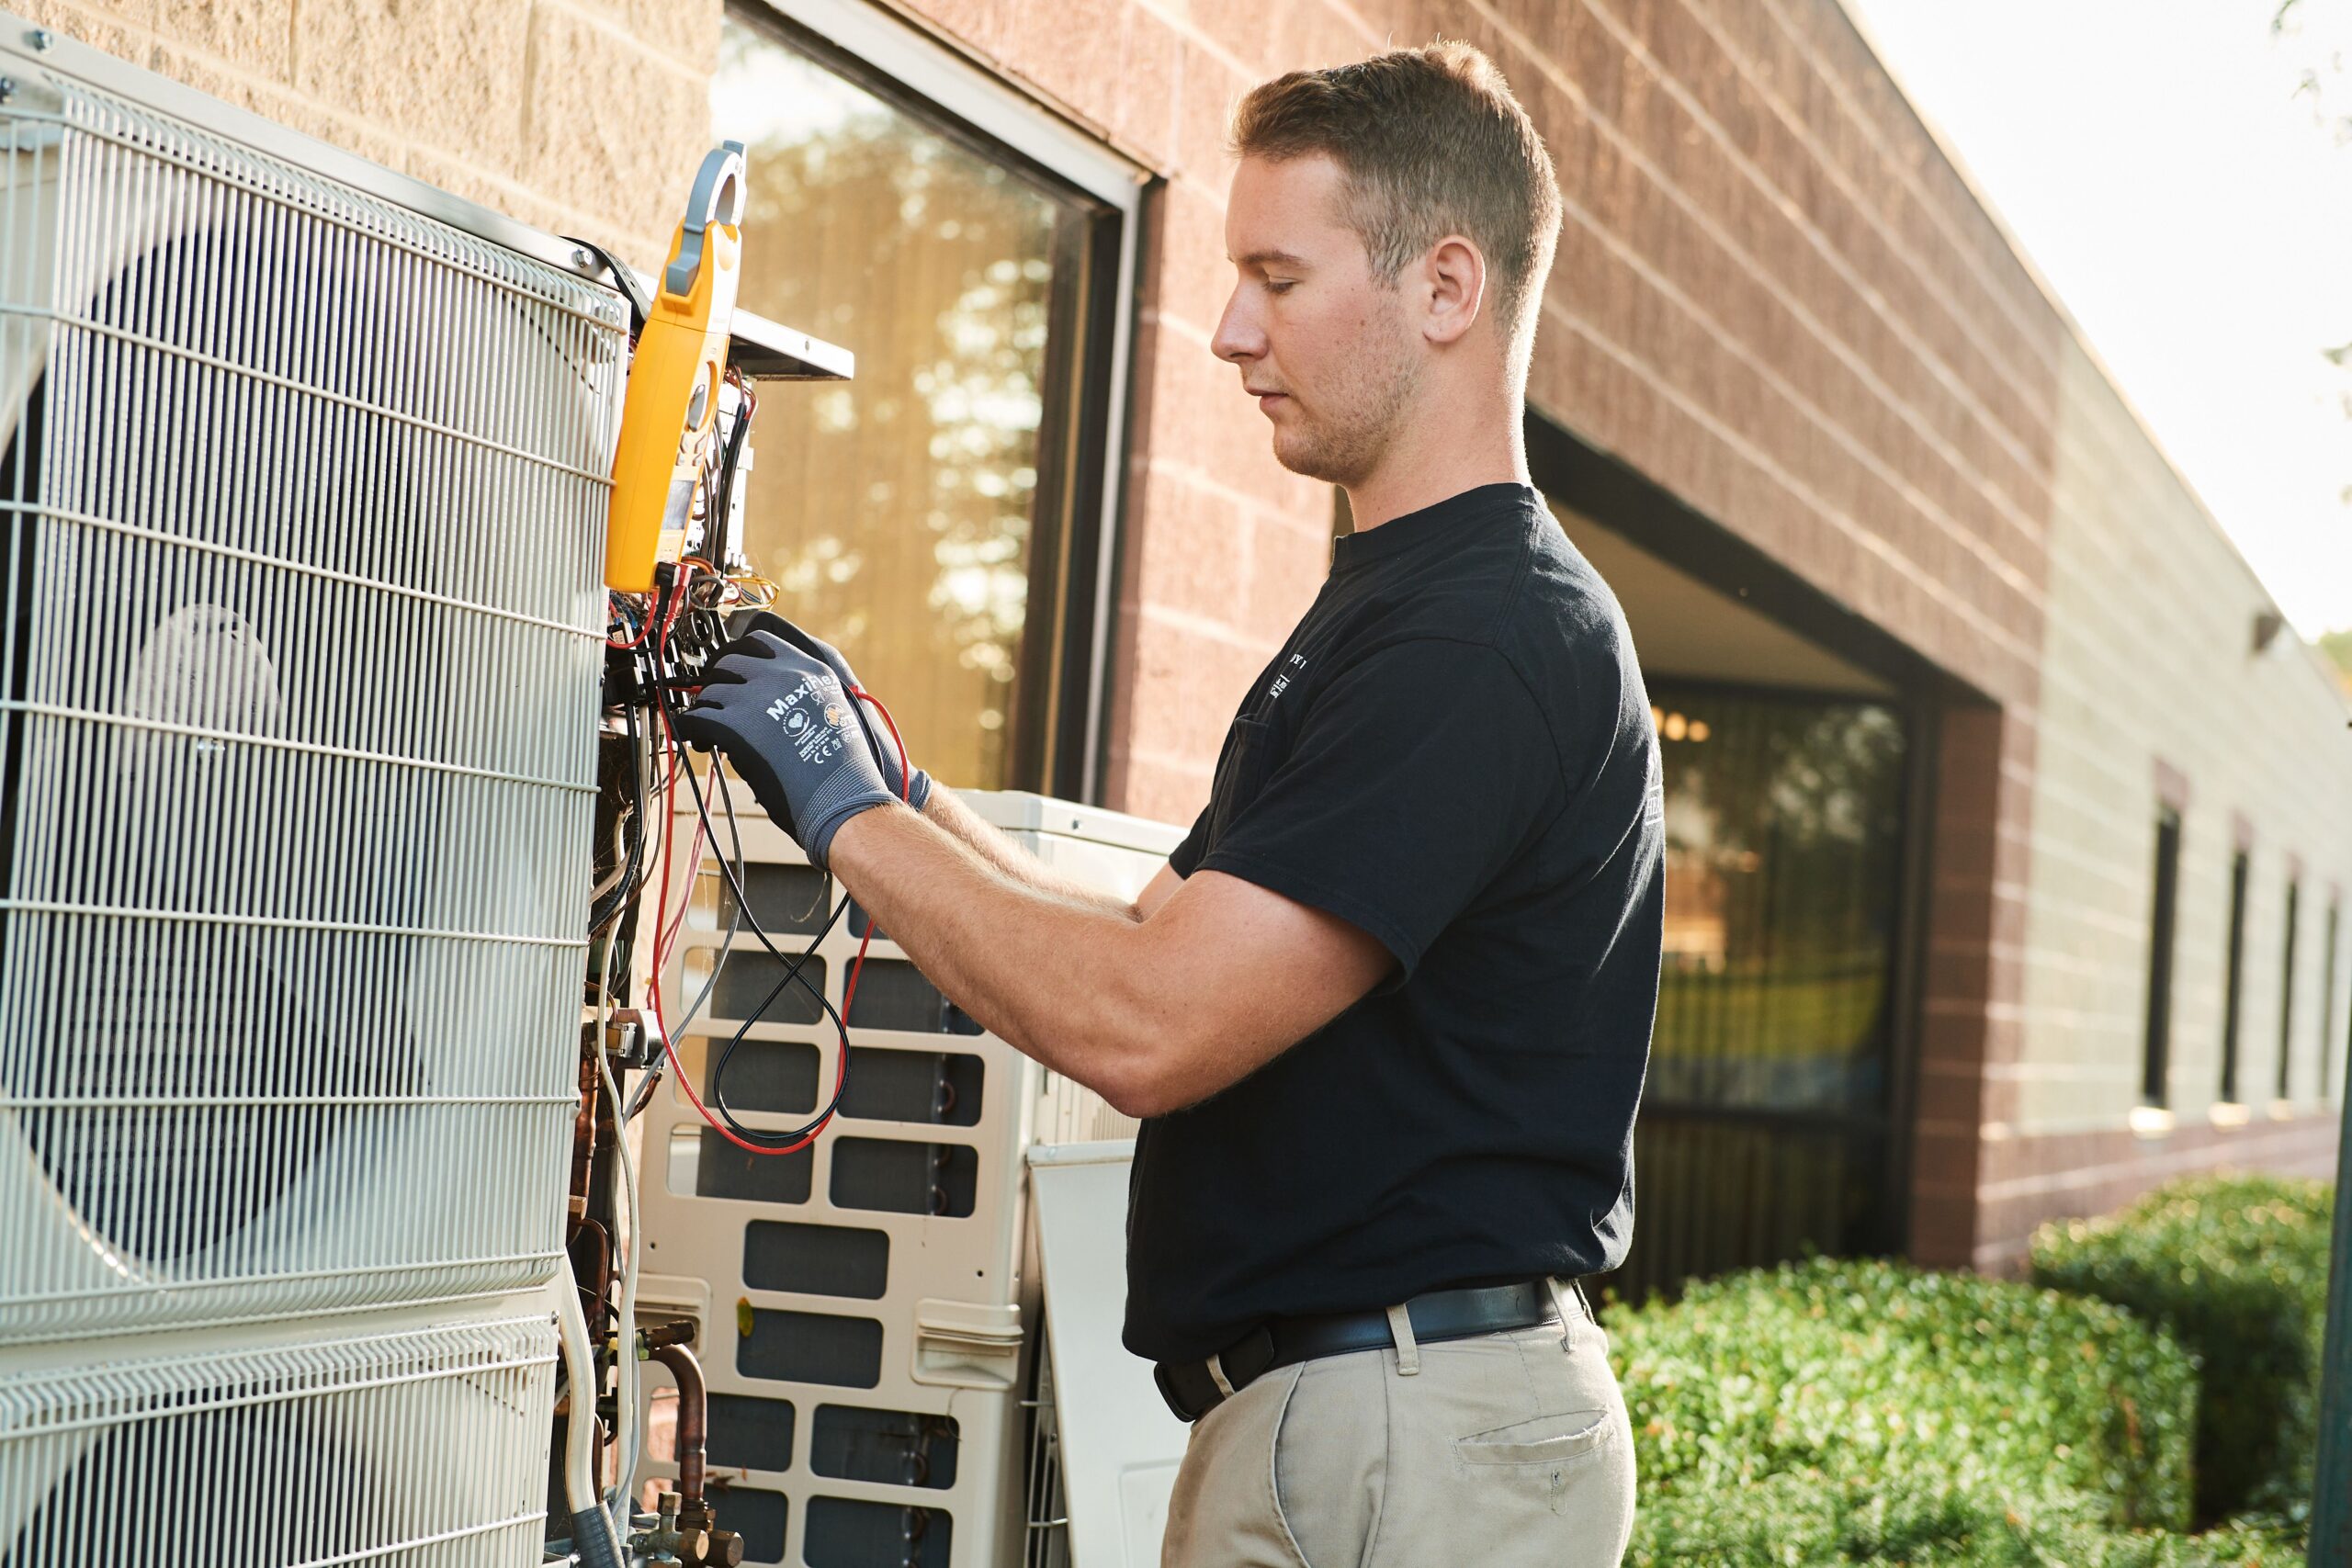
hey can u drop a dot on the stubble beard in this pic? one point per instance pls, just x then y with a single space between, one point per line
1346 447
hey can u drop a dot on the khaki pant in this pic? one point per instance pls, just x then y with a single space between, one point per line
1509 1450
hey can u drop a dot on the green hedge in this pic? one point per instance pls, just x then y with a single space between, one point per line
1855 1374
1800 1519
2235 1268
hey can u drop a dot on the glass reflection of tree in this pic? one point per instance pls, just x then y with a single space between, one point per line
984 408
895 512
1782 835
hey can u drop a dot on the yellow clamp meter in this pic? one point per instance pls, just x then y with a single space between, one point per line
671 409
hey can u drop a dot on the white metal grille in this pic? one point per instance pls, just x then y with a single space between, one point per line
1045 1541
301 500
421 1448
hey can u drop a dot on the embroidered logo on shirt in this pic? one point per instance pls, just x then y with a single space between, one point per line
1297 662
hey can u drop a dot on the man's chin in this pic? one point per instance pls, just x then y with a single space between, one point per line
1308 459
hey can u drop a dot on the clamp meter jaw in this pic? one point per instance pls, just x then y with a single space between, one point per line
670 417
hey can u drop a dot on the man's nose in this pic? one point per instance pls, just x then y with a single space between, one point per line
1239 336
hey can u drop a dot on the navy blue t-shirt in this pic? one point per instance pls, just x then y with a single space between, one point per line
1455 752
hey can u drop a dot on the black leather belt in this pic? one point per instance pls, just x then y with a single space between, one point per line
1190 1387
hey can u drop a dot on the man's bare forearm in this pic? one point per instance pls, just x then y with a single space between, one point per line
984 838
1070 983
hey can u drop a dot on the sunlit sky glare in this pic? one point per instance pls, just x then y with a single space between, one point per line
2153 159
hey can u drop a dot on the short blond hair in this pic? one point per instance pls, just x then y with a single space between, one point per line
1432 142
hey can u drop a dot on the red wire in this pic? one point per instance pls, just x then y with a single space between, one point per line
677 600
662 940
849 991
624 646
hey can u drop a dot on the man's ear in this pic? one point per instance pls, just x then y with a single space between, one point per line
1454 276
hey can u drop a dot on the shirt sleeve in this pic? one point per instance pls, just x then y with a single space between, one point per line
1418 777
1186 856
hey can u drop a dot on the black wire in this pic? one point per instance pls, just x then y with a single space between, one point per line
718 1069
633 864
791 973
633 881
721 516
726 946
663 698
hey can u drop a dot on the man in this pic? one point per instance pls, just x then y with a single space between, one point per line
1387 1010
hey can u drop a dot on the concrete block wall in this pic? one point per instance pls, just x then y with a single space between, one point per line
2149 670
584 116
2151 691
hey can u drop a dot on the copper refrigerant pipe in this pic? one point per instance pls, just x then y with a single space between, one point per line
692 1407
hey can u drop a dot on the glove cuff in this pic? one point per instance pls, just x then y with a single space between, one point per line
843 797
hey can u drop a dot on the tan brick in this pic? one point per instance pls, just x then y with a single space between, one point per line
251 36
1943 1232
1148 787
1199 415
981 26
637 167
446 73
477 186
117 29
273 102
1188 685
685 30
1312 34
1242 29
1196 279
1951 1102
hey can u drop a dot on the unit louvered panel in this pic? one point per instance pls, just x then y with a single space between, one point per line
301 498
426 1449
864 1326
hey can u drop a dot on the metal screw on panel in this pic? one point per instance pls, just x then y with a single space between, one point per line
39 38
582 259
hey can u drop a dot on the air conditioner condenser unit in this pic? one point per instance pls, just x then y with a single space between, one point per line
303 470
300 496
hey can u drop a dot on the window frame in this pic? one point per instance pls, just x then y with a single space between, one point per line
2334 940
2163 931
2285 1085
927 78
2233 974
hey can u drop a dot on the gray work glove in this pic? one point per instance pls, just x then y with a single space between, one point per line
782 719
918 789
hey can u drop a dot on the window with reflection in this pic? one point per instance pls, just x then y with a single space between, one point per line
936 518
1763 1133
1783 832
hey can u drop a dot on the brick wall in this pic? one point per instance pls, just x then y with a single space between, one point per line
1224 548
1776 297
1773 295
